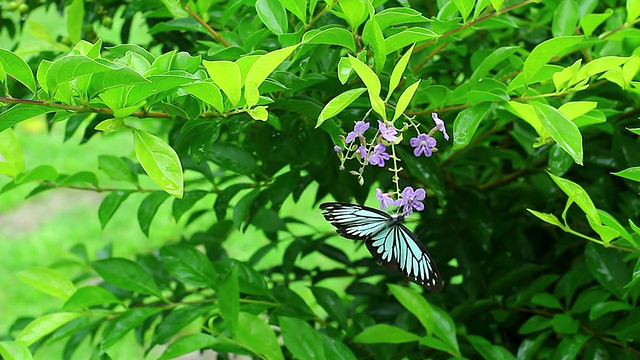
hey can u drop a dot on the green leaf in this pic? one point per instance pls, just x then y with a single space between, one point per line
338 103
178 319
399 16
48 281
407 37
229 299
297 8
301 339
372 36
559 161
544 52
227 76
273 14
416 304
398 71
159 161
334 349
241 210
22 112
548 218
88 296
608 268
605 307
466 124
488 350
547 300
588 299
355 12
464 7
43 326
633 10
116 168
383 333
210 93
117 328
565 18
75 15
82 178
233 158
110 204
13 65
561 129
632 173
565 324
12 350
490 62
445 329
331 303
256 335
188 265
570 346
188 344
405 98
148 208
590 22
128 275
261 68
190 198
606 233
635 277
372 82
330 36
11 152
578 195
437 344
535 324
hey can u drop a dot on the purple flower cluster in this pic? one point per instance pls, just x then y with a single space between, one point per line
375 153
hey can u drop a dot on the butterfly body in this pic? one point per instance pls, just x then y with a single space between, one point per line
390 242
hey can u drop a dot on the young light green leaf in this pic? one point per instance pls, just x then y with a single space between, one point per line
74 20
466 124
159 161
383 333
128 275
416 304
18 69
259 113
148 208
577 194
407 37
43 326
606 233
11 150
22 112
301 339
256 335
48 281
464 7
261 68
632 173
372 36
398 71
229 299
227 76
544 52
561 129
590 22
339 103
13 350
297 8
405 98
188 265
633 11
565 18
330 36
372 82
88 296
210 93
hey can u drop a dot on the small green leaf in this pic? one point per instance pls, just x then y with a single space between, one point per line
256 335
383 333
273 15
466 124
117 328
82 178
262 67
565 324
578 195
605 307
372 36
48 281
159 161
43 326
632 173
110 125
562 130
571 346
416 304
331 303
128 275
372 82
116 168
188 265
405 98
188 344
13 350
544 52
445 329
227 76
259 113
233 158
209 93
190 198
547 300
488 350
297 8
177 320
75 15
398 71
339 103
229 299
301 339
535 324
608 267
635 277
110 204
334 349
241 210
13 65
148 208
409 36
464 7
88 296
330 36
565 18
590 22
38 174
548 218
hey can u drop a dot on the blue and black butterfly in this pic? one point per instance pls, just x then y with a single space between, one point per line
390 242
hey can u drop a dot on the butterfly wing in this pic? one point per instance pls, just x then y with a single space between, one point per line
355 221
399 249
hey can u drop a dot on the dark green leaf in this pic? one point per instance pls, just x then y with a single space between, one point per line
177 319
301 339
331 303
233 158
188 265
110 204
127 275
229 299
148 209
125 322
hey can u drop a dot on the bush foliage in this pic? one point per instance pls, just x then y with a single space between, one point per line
234 109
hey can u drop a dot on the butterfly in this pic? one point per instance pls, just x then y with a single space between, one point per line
390 242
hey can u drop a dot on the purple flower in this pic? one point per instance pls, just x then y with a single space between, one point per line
385 199
358 130
440 125
337 149
423 144
378 155
362 151
411 200
387 132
